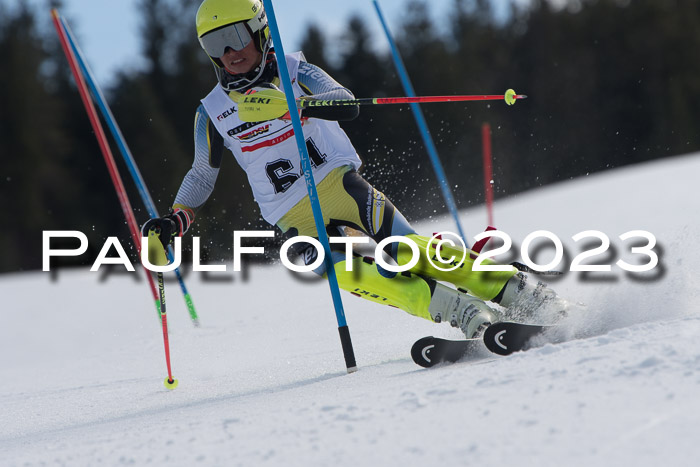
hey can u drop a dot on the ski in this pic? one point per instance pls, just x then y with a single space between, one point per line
429 351
504 338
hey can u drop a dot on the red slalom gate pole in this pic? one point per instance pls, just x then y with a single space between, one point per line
488 170
113 171
102 141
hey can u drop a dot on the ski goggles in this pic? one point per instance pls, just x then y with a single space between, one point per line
236 36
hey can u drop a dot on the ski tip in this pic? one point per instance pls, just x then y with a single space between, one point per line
505 338
422 352
430 351
170 383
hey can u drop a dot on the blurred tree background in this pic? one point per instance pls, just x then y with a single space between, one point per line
610 83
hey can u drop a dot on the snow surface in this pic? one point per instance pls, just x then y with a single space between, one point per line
263 381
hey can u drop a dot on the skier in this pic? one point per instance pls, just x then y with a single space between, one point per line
236 37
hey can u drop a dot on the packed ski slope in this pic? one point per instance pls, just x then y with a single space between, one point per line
262 382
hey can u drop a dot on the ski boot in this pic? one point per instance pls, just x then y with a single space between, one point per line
463 311
526 300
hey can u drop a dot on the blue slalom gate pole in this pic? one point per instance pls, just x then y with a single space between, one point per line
128 157
343 329
422 125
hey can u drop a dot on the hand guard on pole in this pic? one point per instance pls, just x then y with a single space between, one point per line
262 103
168 227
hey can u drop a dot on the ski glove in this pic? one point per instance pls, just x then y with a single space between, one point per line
173 225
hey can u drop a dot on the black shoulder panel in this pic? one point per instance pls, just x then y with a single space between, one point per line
216 146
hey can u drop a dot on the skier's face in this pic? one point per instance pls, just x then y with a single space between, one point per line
241 61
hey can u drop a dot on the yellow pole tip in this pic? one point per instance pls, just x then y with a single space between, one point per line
170 384
510 97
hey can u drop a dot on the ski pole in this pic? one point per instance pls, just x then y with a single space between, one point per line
510 97
170 382
268 104
157 258
126 154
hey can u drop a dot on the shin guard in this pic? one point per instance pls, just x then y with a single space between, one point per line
483 284
406 291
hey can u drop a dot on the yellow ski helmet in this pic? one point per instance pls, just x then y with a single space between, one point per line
233 23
